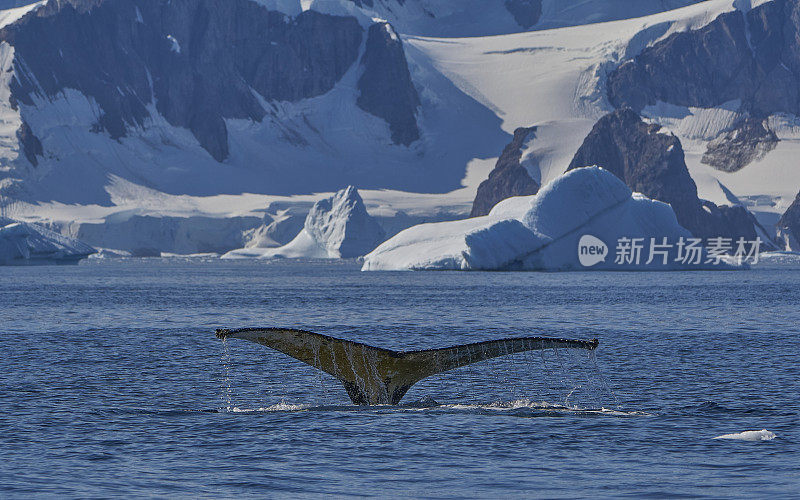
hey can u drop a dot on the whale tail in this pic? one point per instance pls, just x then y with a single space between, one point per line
372 375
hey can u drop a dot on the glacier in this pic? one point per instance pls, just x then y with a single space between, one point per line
22 243
337 227
474 92
541 232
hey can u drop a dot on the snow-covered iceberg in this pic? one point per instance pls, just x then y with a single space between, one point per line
585 210
338 227
22 243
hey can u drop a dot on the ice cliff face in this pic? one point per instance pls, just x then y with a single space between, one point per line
336 227
29 244
789 226
540 232
509 178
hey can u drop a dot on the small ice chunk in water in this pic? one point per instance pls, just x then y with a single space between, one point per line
762 435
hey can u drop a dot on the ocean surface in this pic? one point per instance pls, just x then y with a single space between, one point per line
113 383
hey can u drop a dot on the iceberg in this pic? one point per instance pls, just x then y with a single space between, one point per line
338 227
548 231
762 435
22 243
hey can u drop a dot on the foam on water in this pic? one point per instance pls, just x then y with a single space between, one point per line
762 435
516 407
282 406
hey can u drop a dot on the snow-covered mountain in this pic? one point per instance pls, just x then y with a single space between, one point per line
204 97
461 18
137 124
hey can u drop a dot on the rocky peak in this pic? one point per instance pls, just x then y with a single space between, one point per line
385 87
508 178
652 163
648 161
750 140
526 12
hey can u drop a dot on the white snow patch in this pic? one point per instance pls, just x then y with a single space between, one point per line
110 253
12 15
475 18
10 119
176 47
762 435
695 123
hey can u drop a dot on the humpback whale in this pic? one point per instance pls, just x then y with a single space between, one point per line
372 375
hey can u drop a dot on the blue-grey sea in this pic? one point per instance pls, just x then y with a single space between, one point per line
113 383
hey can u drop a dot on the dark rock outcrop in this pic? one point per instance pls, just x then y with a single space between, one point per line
751 140
789 226
386 89
652 163
363 3
526 12
754 57
31 145
196 60
508 178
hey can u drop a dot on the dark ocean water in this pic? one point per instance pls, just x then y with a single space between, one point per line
113 383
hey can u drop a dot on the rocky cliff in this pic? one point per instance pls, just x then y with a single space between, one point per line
196 62
750 140
526 12
386 89
789 226
752 56
508 178
652 163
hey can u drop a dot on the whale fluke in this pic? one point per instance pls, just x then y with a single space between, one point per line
372 375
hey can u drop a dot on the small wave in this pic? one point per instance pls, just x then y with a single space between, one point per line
282 406
519 407
540 406
762 435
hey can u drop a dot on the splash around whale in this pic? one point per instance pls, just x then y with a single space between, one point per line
373 375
